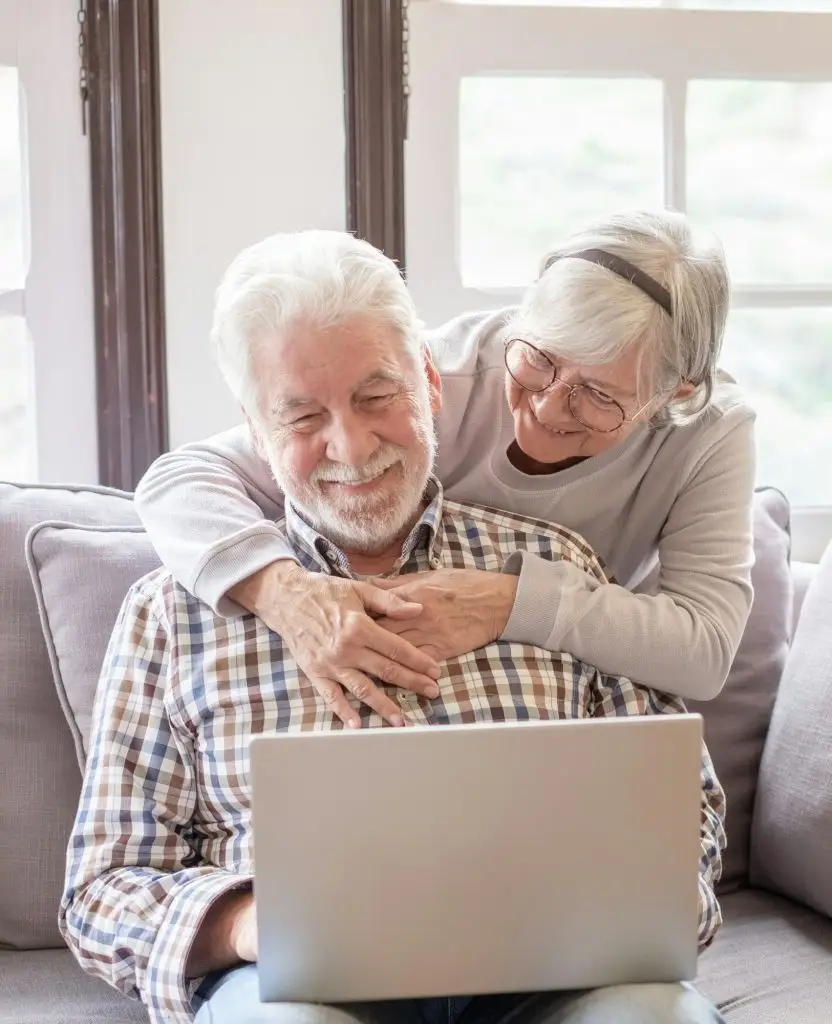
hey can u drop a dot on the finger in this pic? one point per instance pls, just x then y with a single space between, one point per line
395 674
384 602
393 583
368 693
336 700
374 638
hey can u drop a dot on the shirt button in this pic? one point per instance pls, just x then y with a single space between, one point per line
331 556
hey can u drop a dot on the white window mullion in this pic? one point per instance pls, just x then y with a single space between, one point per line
675 156
766 297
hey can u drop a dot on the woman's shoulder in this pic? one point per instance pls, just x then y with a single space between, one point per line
471 343
729 405
724 432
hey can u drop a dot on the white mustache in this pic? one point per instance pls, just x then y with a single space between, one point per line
338 473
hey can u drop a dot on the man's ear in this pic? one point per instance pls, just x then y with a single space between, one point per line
434 381
256 437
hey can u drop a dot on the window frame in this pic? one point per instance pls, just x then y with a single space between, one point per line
375 108
122 44
593 42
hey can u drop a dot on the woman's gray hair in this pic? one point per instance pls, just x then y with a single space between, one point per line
583 313
319 278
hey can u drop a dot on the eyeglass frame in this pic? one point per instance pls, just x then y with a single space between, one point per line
571 388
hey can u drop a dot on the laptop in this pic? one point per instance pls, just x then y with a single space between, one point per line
476 859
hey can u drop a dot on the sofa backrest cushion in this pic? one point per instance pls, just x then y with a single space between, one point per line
81 575
737 721
791 851
38 769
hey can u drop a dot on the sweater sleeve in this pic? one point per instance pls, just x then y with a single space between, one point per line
210 510
683 639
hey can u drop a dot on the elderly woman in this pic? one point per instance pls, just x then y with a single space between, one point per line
597 404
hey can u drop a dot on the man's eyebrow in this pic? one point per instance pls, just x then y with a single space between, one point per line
283 406
286 405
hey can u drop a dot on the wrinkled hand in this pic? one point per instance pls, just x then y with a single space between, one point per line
326 623
462 609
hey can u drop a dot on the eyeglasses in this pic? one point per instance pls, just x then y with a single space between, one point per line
534 371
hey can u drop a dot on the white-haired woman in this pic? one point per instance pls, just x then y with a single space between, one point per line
598 405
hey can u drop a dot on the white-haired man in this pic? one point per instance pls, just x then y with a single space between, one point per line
318 339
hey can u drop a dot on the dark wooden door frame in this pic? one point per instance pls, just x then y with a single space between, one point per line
121 43
376 122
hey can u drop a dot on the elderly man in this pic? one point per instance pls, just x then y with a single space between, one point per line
318 339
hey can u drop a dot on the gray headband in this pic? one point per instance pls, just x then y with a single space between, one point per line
657 292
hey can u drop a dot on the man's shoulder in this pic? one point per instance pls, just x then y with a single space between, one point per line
472 526
159 599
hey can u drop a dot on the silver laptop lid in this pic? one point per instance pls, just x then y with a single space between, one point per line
473 859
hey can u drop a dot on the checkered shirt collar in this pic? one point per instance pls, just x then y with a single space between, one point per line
318 554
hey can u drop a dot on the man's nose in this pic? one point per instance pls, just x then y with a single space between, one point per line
349 441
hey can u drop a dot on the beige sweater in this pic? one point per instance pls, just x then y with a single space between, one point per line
668 510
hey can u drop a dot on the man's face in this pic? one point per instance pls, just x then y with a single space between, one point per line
347 427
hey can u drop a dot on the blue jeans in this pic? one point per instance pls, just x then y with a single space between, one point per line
234 998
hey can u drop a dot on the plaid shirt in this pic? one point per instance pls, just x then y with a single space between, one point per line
164 823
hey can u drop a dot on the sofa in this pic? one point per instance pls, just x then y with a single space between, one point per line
68 555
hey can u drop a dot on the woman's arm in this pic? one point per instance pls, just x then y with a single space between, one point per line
683 639
210 510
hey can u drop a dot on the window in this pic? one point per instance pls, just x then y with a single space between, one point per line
17 448
527 119
47 355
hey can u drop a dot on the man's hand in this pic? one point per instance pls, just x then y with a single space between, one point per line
462 609
226 937
244 930
326 623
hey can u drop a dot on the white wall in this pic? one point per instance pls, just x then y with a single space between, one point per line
252 143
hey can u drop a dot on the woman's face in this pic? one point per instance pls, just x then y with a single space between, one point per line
545 429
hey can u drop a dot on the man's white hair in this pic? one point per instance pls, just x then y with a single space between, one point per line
581 312
319 278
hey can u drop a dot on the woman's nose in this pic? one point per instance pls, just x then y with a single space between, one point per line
553 404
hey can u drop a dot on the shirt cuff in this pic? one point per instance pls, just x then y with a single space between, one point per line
234 563
166 992
710 915
535 609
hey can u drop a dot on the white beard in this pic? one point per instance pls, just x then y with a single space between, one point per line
365 523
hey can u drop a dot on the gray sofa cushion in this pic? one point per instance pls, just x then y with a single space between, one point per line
771 962
792 834
736 722
40 779
48 987
81 575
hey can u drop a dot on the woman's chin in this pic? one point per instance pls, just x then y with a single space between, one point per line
548 448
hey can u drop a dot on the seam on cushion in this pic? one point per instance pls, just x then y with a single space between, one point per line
70 488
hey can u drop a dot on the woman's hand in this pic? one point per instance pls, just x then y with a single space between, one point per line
326 623
462 609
